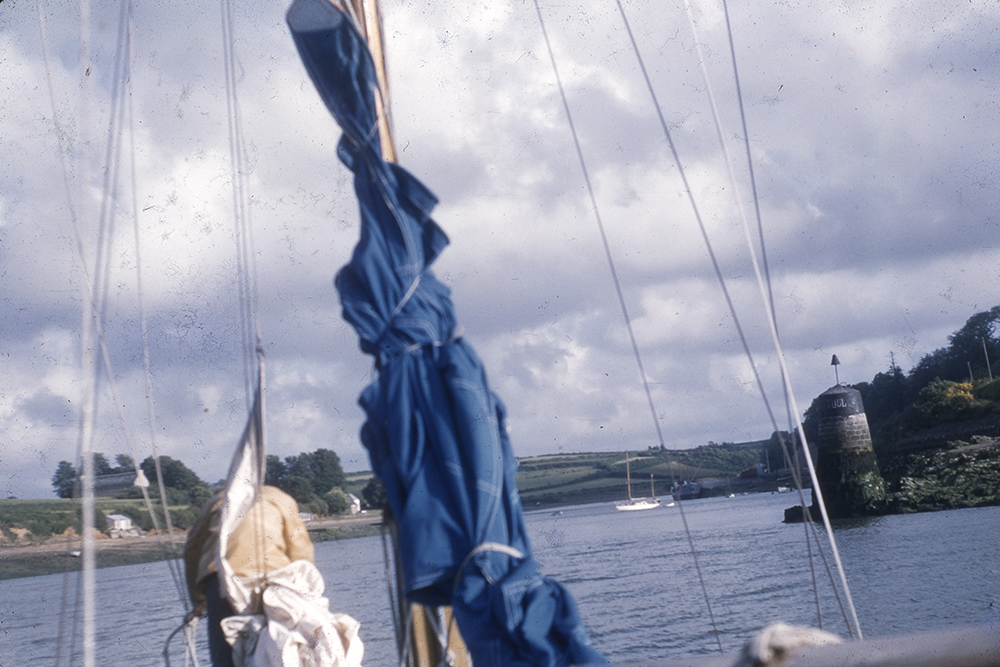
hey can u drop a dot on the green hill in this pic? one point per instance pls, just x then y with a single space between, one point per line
567 479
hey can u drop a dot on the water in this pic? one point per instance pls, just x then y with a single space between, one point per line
631 573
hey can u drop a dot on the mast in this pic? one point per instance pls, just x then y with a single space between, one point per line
426 636
368 19
628 479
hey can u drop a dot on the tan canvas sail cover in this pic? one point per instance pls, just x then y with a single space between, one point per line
282 617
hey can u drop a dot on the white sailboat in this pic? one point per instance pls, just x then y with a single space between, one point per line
633 504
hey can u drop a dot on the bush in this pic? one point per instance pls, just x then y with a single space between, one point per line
315 506
183 518
336 501
54 524
100 523
989 391
139 515
200 495
942 402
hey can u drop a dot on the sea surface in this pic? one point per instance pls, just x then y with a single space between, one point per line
632 573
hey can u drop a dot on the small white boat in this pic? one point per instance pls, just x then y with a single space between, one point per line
642 504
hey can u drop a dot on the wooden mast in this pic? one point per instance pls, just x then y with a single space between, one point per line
628 479
421 630
369 21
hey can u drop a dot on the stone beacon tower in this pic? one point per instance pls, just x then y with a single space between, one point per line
845 461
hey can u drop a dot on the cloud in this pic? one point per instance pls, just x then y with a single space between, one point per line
873 130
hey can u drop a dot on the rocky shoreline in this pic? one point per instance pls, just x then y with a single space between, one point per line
949 475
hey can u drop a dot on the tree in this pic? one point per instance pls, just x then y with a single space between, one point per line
336 501
966 349
124 463
175 474
320 470
374 494
298 487
274 470
964 353
178 476
64 479
326 471
101 465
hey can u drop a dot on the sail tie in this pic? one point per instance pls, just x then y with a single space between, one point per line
483 548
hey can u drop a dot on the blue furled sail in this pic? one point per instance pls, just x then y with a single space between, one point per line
435 431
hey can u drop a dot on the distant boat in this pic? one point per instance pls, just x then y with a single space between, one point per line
632 504
686 491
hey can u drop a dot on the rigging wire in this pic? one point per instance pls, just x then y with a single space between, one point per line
766 295
95 286
84 437
769 298
245 248
88 408
766 291
767 302
624 308
173 564
808 525
121 106
246 266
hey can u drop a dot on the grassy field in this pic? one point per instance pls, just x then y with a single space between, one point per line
54 517
569 479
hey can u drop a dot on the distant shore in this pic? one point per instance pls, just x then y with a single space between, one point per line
60 554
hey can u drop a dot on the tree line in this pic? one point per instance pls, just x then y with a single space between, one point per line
315 479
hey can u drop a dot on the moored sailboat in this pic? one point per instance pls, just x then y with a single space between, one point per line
633 504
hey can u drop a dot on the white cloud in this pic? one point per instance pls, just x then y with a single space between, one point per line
874 133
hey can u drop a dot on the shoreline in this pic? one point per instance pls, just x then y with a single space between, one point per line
58 555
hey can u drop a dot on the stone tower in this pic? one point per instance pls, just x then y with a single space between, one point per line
845 461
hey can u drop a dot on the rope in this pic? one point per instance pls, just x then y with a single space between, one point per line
96 284
169 553
190 655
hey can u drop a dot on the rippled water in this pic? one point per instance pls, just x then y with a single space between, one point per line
632 574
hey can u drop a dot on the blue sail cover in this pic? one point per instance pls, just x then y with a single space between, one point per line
435 431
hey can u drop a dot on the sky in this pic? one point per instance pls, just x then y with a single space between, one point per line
872 127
